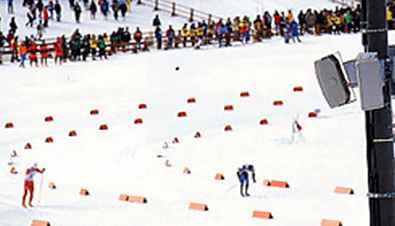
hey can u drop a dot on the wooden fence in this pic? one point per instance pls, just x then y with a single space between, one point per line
176 9
350 3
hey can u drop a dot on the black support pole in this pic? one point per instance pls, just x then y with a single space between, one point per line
379 135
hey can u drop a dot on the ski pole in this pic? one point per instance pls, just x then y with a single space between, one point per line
41 188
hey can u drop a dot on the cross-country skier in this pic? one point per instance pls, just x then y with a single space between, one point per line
29 183
242 174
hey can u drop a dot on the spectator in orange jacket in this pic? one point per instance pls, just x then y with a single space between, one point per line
22 50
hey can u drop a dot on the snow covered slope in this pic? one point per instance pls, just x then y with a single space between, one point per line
128 158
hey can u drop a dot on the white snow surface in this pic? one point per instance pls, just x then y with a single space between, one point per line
329 151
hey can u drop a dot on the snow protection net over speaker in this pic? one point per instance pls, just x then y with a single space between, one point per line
332 81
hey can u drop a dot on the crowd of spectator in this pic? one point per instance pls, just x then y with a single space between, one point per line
223 32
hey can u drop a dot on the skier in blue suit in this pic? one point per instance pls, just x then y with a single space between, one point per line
242 174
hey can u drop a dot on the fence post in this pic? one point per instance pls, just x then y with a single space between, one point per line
156 5
173 11
191 17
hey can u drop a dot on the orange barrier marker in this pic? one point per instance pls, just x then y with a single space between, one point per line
228 108
280 184
182 114
40 223
244 94
186 170
198 206
138 121
312 115
219 176
137 199
191 100
228 128
263 122
298 89
344 190
103 127
84 191
49 140
142 106
278 103
326 222
28 146
262 214
197 135
13 170
266 182
52 185
123 197
49 119
9 125
94 112
72 133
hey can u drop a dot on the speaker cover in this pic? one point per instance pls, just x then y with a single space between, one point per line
370 71
332 81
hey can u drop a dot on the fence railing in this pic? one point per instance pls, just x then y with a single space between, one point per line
350 3
176 9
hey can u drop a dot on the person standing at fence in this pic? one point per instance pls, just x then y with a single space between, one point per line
184 34
85 47
138 36
93 45
2 42
22 50
14 49
44 54
294 30
222 30
170 37
58 51
245 37
192 33
276 17
158 37
102 47
33 54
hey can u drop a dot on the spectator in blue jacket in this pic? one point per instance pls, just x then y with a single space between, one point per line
294 31
222 30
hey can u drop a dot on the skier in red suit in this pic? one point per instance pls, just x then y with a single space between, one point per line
29 183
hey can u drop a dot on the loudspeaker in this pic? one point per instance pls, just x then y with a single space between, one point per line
370 71
332 81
